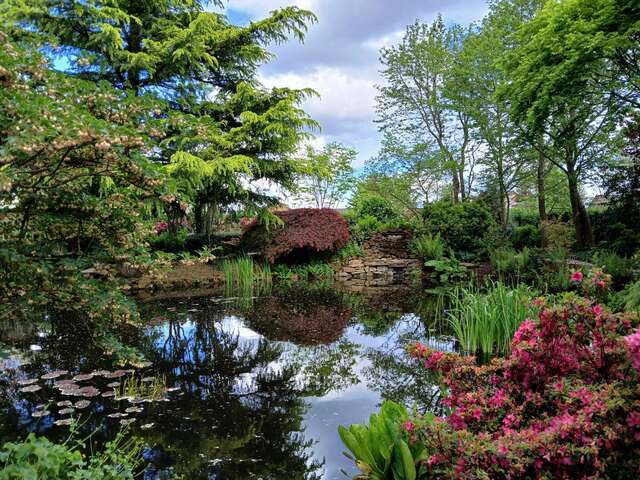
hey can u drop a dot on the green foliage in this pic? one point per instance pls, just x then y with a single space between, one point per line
350 251
632 297
365 227
168 241
428 247
484 322
620 268
526 236
468 228
376 207
304 272
245 278
381 449
38 458
446 271
511 264
326 176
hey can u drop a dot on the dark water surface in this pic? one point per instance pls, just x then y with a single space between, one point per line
257 386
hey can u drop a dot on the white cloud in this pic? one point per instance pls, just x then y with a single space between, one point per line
344 95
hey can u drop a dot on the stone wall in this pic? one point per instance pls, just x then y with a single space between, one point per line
387 260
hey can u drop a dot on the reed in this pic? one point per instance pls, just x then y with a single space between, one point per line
143 389
245 278
484 322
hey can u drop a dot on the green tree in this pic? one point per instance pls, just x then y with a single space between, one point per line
326 175
414 104
222 130
73 181
574 128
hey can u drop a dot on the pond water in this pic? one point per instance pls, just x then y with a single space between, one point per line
251 387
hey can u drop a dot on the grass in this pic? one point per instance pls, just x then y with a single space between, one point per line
133 387
484 322
245 278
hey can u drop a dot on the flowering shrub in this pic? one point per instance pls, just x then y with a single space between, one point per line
305 229
595 284
565 404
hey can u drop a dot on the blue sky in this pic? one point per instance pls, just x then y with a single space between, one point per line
339 58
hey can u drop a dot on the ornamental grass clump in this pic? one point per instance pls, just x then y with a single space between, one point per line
484 322
564 404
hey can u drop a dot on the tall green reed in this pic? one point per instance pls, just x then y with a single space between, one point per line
245 279
484 322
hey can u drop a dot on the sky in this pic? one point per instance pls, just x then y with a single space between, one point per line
339 58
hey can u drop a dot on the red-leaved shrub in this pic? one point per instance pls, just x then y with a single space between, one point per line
305 229
565 404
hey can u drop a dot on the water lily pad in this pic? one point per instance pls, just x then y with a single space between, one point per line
80 404
67 411
118 415
89 392
172 389
108 394
148 379
145 364
113 384
127 421
100 373
64 421
83 377
28 381
40 413
30 389
134 410
147 426
63 383
116 374
64 403
53 375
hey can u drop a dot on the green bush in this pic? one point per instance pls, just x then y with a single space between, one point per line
468 227
620 268
376 207
167 242
349 251
510 263
365 227
526 236
38 458
446 271
428 247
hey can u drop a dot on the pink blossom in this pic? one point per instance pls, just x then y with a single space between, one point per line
409 426
577 276
597 310
633 347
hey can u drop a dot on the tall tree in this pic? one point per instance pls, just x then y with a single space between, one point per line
222 131
577 124
477 79
326 175
413 101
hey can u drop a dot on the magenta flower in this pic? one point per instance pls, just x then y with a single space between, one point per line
597 310
577 276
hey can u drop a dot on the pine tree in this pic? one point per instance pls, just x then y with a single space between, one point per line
221 130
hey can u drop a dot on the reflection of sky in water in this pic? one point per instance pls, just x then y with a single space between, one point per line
344 403
352 404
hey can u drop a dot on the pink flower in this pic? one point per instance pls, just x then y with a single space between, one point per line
633 347
409 426
597 310
577 276
433 359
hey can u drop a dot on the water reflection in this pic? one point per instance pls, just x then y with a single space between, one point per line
262 386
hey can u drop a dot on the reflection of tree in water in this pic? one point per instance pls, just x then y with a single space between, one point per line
393 372
241 408
301 315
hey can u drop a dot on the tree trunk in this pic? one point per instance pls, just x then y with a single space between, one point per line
542 206
455 186
199 217
581 221
463 193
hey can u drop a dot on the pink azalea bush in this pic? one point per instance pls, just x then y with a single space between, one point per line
565 404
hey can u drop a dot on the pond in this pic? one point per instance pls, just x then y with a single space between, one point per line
249 387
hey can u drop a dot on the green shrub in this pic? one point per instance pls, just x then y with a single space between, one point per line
620 268
167 242
509 263
38 458
526 236
349 251
632 297
428 247
468 227
486 322
365 227
446 271
376 207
